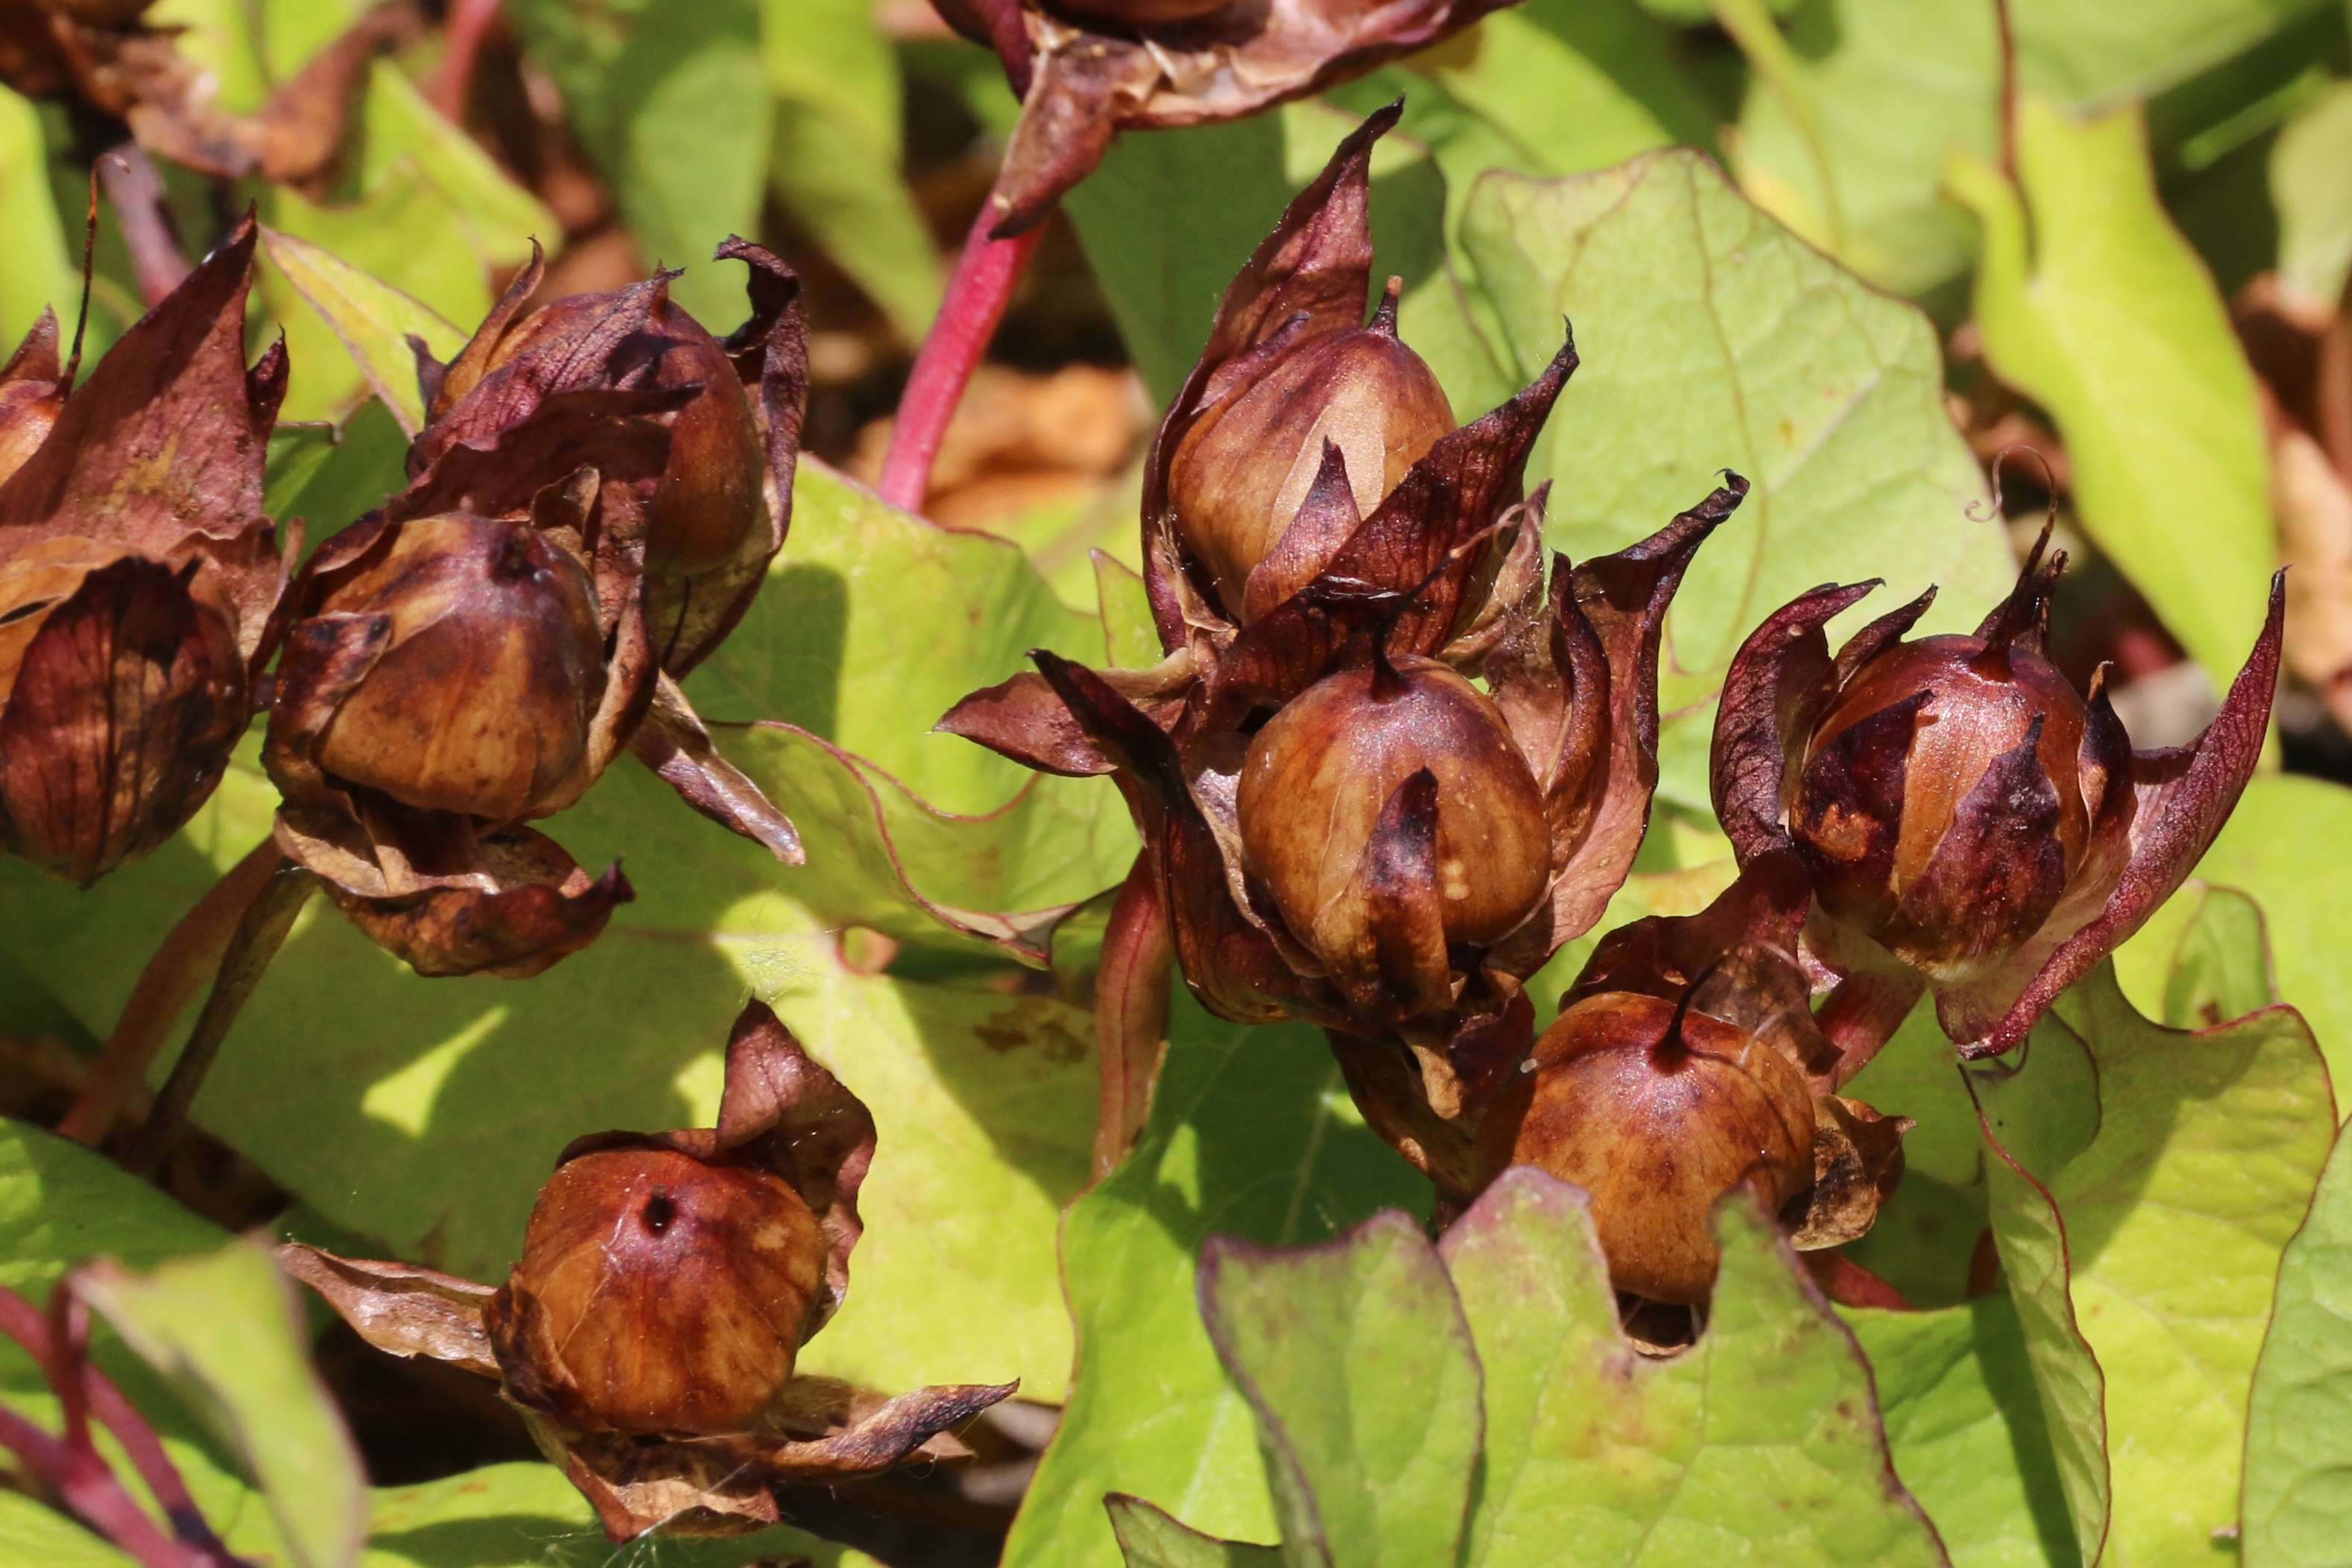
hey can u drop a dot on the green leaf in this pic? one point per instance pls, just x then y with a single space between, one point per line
1167 220
33 272
1149 1539
500 218
897 865
1925 1235
2285 824
328 477
832 643
2100 312
672 103
529 1516
1957 1395
1892 84
1252 1135
1354 1357
404 238
2091 52
225 1330
836 162
373 320
31 1534
2299 1425
1760 1443
2314 207
2202 959
2145 1184
1711 337
62 1205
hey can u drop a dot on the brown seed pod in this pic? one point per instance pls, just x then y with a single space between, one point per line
1239 476
488 675
658 1293
1971 822
1140 13
1657 1111
1315 809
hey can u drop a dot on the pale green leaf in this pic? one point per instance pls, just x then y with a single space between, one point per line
2284 827
1357 1362
500 218
1893 86
2313 198
2094 52
34 274
328 477
671 102
1925 1235
1150 1539
2151 1182
1713 337
1962 1417
835 161
1759 1444
2298 1487
32 1536
226 1332
2093 305
405 238
1252 1135
373 320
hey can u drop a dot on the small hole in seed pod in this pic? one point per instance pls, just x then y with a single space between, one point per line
659 1211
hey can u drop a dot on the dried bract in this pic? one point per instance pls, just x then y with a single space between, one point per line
140 583
1972 825
1086 69
668 1282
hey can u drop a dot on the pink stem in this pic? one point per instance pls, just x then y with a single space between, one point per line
977 295
461 45
177 973
1130 1012
72 1465
137 192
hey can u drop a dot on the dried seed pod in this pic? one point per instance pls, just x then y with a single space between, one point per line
1329 819
1242 472
1657 1111
659 1293
1971 822
666 1284
139 584
1139 13
488 670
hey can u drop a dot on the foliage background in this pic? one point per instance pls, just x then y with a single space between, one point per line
1792 242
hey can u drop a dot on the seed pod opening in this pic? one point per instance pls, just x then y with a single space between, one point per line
492 667
659 1293
1239 476
1950 794
1657 1114
1320 774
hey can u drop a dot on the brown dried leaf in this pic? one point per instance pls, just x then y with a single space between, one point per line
399 1308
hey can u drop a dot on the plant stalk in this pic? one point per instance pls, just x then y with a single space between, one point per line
188 957
981 287
259 935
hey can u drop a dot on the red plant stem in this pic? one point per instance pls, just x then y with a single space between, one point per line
23 1322
1132 1012
461 45
179 969
137 192
977 295
71 1464
260 932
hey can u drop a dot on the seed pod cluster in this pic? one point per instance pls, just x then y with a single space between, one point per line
1388 763
650 1331
592 507
139 582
